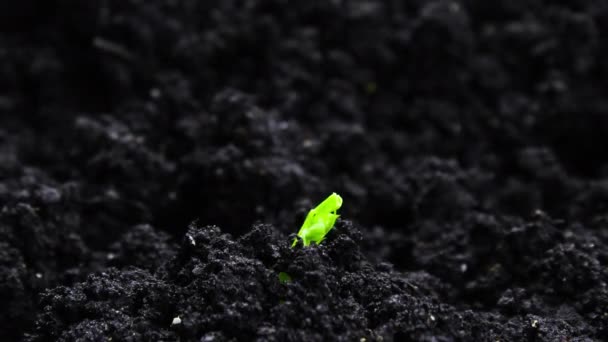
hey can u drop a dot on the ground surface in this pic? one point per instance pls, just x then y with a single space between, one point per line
155 156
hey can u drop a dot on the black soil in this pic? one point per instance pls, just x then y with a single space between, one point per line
157 156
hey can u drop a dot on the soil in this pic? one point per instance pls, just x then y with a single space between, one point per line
157 157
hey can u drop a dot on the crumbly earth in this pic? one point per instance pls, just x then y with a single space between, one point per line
156 157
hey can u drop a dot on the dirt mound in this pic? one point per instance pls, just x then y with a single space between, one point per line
466 138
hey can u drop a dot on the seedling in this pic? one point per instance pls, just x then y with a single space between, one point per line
284 278
319 221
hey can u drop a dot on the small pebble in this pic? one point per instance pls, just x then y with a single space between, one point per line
155 93
50 195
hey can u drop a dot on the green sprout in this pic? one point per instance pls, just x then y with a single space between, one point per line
284 278
319 221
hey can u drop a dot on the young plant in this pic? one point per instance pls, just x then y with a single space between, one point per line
319 221
284 278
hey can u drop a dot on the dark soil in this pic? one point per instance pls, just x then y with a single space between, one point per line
156 157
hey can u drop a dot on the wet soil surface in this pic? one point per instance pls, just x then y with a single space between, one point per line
156 158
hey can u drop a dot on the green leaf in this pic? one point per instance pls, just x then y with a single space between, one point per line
284 277
320 221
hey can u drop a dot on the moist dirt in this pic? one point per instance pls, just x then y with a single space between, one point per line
157 157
